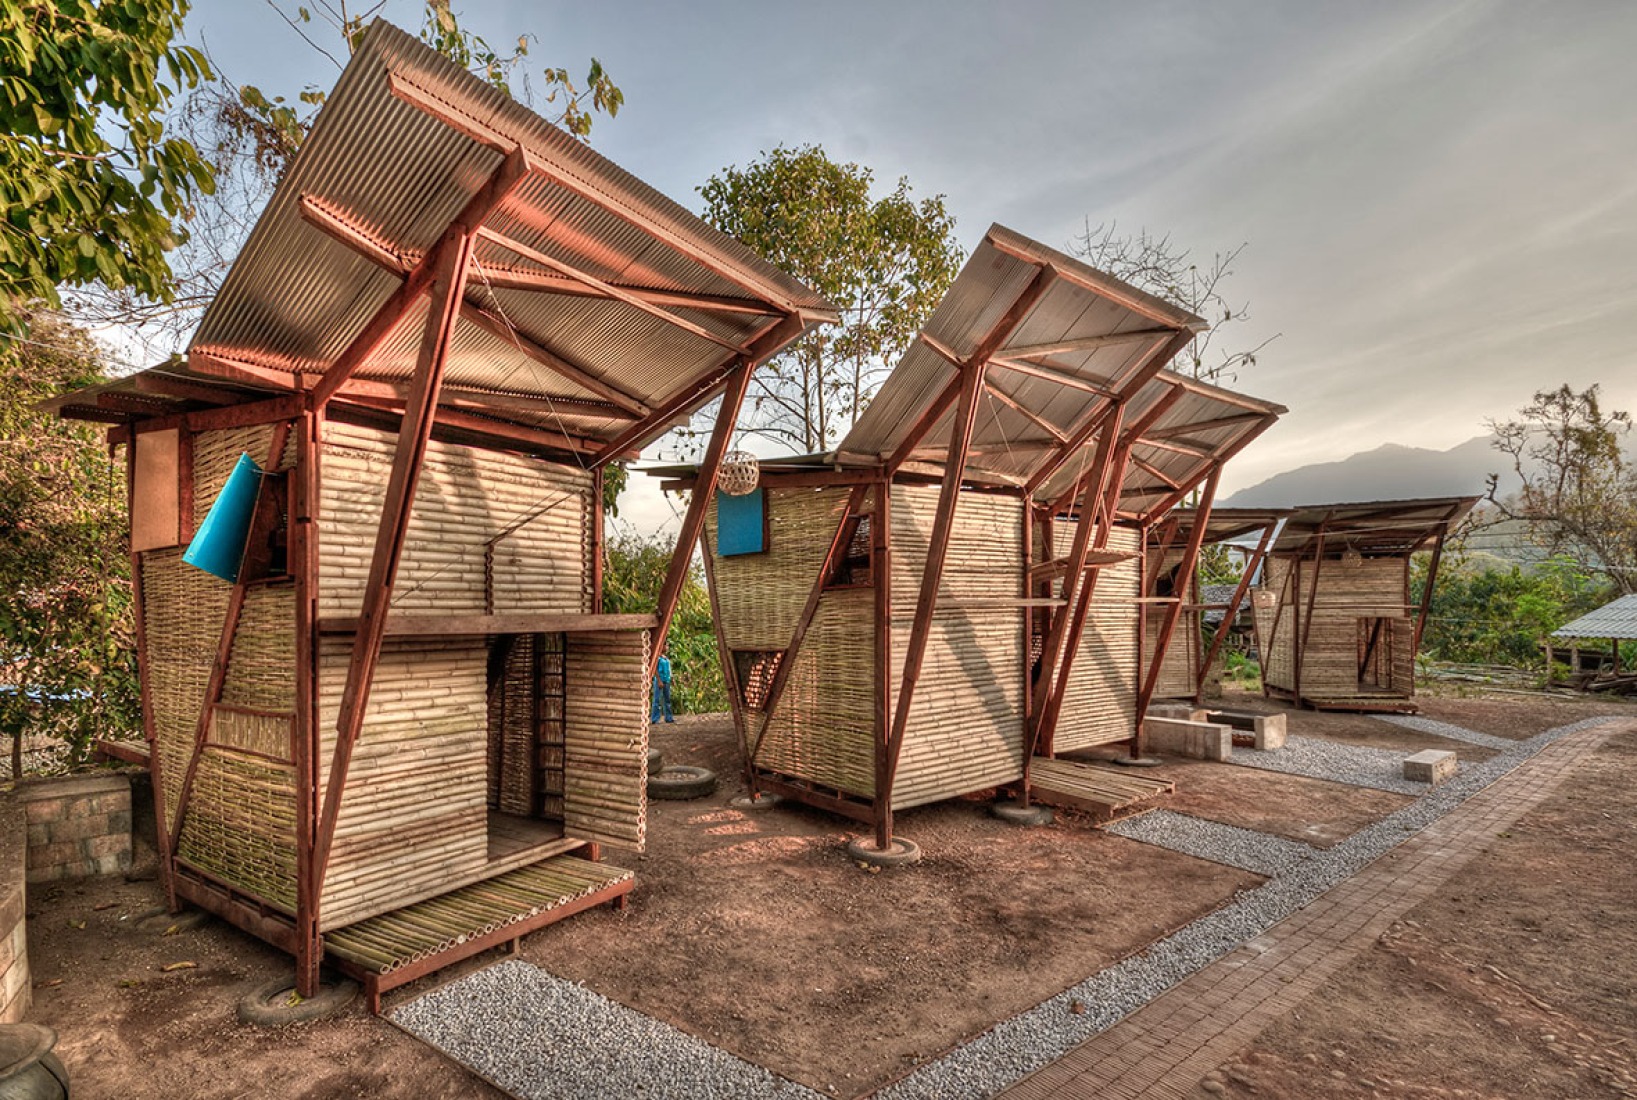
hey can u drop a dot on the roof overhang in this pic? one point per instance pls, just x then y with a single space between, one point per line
1378 528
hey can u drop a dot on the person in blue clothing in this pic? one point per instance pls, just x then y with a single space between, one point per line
662 690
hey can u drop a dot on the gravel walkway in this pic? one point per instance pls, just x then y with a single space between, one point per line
1246 849
1356 765
542 1038
1026 1042
525 1030
1444 729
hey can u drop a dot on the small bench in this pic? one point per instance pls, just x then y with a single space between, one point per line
1258 731
1198 740
1431 766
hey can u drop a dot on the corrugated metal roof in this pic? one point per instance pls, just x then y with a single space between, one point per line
1086 341
1371 527
401 146
1616 620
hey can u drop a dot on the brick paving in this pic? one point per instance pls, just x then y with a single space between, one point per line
1164 1049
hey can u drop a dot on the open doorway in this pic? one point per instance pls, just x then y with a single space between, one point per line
525 743
1376 639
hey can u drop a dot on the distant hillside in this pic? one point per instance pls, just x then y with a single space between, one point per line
1390 472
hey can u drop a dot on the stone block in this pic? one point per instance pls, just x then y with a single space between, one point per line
79 827
1430 766
1197 740
42 810
110 844
1270 731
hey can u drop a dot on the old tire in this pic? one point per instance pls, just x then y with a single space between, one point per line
268 1005
681 781
766 800
899 853
656 762
1015 813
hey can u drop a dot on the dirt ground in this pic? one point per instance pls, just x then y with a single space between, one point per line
1518 979
757 933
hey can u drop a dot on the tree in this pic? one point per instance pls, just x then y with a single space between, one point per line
1160 267
1497 613
67 657
250 137
91 188
635 572
1579 494
884 263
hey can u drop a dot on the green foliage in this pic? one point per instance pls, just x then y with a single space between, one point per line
632 578
67 652
276 128
884 263
76 77
1482 614
1579 494
1241 670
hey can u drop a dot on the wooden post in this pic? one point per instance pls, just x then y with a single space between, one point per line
693 522
881 577
730 674
1185 572
413 436
304 509
1306 619
937 551
1426 593
1253 563
597 541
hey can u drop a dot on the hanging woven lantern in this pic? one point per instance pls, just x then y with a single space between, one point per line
1352 559
1264 599
739 473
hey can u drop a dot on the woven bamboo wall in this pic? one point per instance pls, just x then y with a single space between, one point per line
1100 703
240 825
1376 588
966 728
1278 647
465 498
414 814
1178 673
825 725
606 738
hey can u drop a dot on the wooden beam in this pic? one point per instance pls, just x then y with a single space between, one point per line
503 277
1226 397
459 397
534 255
539 353
1100 388
1191 449
730 674
1231 612
474 624
1426 594
187 389
693 522
1131 434
448 287
1029 414
1179 430
1103 287
526 437
1307 616
448 114
234 366
966 413
1152 471
304 514
1086 343
502 182
1221 459
881 578
1173 614
922 425
781 675
685 400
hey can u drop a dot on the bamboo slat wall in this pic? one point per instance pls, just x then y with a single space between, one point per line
414 814
966 727
1278 646
466 498
1100 703
1181 666
1374 588
606 738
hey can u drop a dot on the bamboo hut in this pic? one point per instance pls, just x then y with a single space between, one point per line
403 729
956 589
1189 659
1334 621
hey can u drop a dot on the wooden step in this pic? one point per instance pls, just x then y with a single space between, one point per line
1104 790
388 950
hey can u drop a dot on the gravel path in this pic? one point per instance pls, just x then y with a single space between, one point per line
1356 765
1246 849
526 1030
1017 1047
542 1038
1444 729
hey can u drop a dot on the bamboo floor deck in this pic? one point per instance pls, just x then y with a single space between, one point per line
511 835
1364 704
1106 791
386 951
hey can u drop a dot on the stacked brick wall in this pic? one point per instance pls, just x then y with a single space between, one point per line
15 990
77 827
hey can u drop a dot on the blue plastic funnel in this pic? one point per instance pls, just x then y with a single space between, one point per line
218 545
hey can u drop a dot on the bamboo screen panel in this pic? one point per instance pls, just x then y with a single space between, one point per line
966 728
605 738
1177 674
1277 648
241 825
414 816
1373 589
1100 702
824 728
466 497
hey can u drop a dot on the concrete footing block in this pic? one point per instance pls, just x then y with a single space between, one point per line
1431 766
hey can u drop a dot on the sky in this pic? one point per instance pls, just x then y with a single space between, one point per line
1438 201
